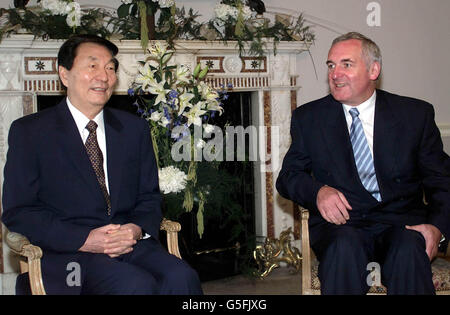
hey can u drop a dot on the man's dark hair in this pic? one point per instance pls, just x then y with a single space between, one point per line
69 49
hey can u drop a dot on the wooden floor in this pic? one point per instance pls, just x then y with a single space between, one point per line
279 282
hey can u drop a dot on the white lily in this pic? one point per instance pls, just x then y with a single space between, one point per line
182 73
194 114
156 116
207 92
145 76
158 49
157 88
164 121
214 105
184 101
73 18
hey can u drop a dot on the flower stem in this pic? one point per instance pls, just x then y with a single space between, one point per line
144 28
155 146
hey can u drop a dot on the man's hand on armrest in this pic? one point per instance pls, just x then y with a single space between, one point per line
432 237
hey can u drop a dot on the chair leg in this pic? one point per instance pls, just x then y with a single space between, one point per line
172 243
306 253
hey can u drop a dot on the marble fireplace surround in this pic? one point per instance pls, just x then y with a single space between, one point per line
274 95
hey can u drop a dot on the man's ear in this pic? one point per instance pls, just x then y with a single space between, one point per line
375 70
63 74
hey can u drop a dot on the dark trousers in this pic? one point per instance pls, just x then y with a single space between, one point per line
148 269
346 251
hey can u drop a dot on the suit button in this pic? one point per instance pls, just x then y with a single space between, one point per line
398 180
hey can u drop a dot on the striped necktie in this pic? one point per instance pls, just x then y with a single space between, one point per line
96 158
363 157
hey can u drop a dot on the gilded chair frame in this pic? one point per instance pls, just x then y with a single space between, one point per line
311 284
30 255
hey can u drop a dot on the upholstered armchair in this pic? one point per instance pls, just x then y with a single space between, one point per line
30 255
310 280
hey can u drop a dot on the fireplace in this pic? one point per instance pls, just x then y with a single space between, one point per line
272 88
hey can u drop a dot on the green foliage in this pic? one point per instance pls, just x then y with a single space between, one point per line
173 23
255 34
187 25
136 20
47 26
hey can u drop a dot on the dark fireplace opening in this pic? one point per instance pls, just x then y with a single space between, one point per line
227 245
229 238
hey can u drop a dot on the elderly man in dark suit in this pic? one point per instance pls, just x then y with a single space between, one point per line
81 182
362 160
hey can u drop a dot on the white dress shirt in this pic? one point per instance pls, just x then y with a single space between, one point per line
367 117
81 121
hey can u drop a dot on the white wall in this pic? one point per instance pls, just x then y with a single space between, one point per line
414 37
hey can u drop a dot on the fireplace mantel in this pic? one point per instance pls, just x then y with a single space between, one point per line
38 66
271 79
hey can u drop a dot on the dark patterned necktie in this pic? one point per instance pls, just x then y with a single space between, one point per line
96 157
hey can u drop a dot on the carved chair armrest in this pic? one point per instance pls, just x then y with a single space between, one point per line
16 241
172 228
20 245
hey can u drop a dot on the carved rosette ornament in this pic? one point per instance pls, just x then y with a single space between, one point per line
233 64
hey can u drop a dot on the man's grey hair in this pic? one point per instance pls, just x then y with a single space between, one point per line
371 51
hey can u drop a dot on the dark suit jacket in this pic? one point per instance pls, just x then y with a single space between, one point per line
51 193
408 157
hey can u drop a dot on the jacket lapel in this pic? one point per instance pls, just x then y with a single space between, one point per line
386 136
335 133
115 146
71 142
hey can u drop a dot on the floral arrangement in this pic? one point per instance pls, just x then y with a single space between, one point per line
141 13
179 107
232 15
238 20
56 19
70 9
235 20
230 12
